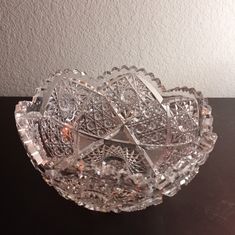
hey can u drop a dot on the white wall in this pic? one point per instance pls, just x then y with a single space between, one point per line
184 42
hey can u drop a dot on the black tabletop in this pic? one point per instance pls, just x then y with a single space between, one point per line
204 207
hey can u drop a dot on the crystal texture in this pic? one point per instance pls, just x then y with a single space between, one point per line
118 142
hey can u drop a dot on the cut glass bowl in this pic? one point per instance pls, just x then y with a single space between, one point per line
119 142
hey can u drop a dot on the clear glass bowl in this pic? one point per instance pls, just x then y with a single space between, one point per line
118 142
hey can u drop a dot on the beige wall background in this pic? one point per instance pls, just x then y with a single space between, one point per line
184 42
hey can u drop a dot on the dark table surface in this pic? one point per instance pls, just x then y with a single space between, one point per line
205 206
